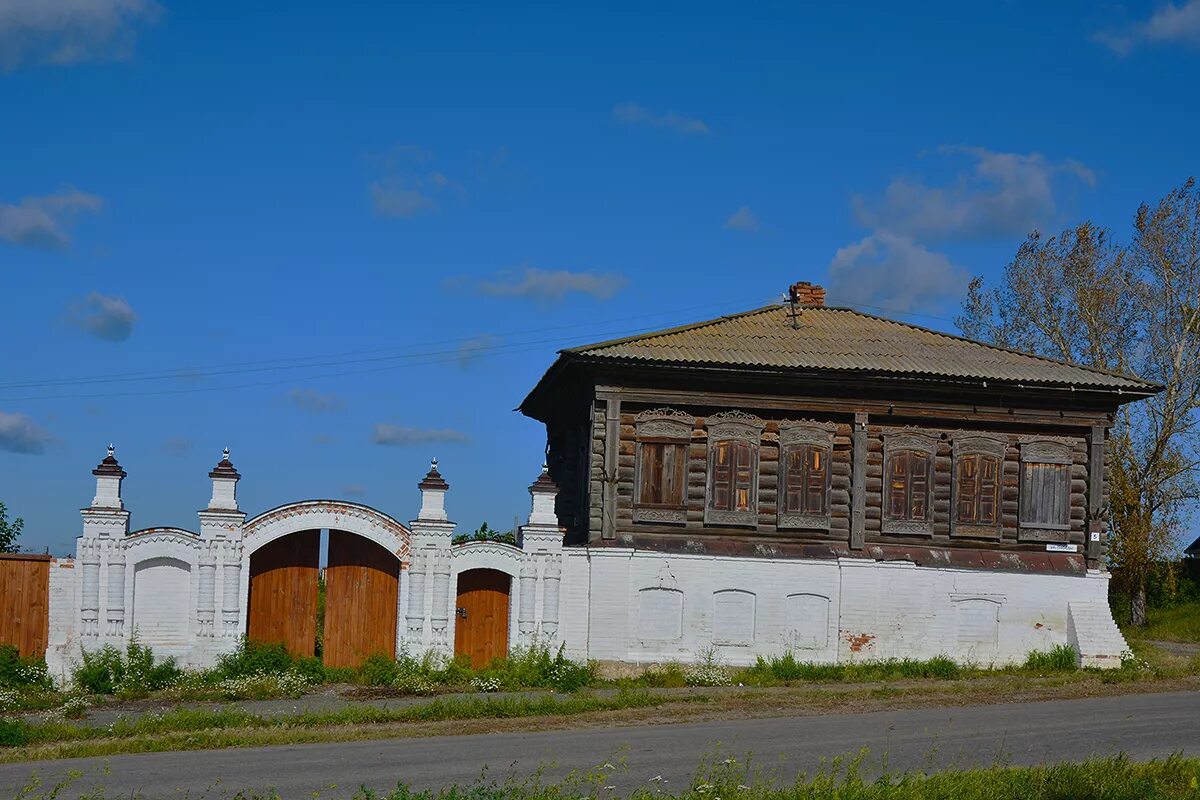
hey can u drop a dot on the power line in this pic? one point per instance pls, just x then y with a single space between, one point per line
414 359
334 359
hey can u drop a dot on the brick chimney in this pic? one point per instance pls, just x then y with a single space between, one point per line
806 294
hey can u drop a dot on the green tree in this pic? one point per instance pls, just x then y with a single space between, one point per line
1082 297
9 531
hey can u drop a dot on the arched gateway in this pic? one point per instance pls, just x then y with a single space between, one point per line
196 595
362 579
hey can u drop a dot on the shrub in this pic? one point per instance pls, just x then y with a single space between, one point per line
262 687
17 671
257 658
13 732
709 670
109 671
75 707
1060 658
379 670
534 667
660 676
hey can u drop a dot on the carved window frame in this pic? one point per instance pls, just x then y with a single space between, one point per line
793 435
977 444
905 441
1044 450
733 426
661 426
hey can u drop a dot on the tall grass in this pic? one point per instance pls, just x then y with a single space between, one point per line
784 668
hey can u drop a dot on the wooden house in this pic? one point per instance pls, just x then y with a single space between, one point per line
800 431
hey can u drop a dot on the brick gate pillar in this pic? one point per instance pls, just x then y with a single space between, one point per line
427 613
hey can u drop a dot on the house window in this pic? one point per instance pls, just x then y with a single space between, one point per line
660 472
805 450
978 461
908 483
733 441
1045 502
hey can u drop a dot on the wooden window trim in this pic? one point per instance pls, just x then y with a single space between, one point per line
1044 450
914 441
733 426
793 435
669 427
974 444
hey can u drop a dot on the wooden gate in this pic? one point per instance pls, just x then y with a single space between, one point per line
24 603
481 615
362 585
283 592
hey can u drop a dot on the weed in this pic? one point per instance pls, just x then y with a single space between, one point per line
132 673
1061 658
17 671
708 670
13 732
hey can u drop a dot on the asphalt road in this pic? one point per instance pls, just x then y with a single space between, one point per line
1143 726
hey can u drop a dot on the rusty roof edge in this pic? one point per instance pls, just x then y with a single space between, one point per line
1136 392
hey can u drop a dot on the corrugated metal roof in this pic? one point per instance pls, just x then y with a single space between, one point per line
844 339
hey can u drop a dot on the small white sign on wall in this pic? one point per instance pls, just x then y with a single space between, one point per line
1063 548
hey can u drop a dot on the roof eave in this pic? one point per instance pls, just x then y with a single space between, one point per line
1134 392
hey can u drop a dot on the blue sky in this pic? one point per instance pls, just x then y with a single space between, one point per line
342 239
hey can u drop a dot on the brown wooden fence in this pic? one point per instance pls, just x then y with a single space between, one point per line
25 602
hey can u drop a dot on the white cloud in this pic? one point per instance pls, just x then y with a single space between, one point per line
1003 194
473 348
633 114
70 31
43 221
178 445
108 318
1169 24
314 402
20 434
742 220
404 436
354 490
407 187
546 285
893 272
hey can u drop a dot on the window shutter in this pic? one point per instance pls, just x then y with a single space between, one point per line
794 500
968 488
722 477
989 490
651 489
918 485
817 466
898 485
744 478
1045 494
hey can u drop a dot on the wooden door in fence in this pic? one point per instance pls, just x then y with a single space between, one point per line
25 603
283 592
481 615
362 589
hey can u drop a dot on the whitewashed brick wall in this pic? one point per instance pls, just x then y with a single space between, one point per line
642 606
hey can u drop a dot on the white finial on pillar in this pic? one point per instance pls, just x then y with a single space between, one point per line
108 482
433 495
544 490
224 489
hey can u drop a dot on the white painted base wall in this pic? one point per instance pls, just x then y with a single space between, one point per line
644 607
